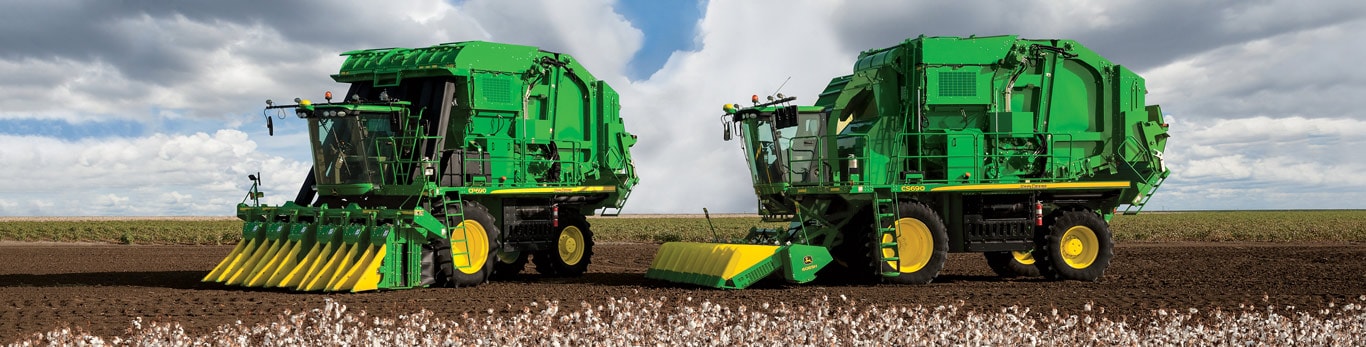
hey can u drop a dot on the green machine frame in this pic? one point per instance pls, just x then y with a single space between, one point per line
443 165
1020 149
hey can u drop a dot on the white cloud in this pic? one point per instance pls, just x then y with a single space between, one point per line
139 176
1266 104
1300 73
684 165
590 31
1267 163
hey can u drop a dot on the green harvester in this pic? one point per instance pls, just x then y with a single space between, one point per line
441 166
1019 149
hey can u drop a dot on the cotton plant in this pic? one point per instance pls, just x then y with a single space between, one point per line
663 321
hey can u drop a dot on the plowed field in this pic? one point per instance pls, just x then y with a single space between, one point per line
102 288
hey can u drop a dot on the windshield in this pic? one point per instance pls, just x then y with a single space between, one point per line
793 155
762 152
345 150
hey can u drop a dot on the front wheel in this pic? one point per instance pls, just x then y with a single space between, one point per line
470 251
573 249
922 245
1076 247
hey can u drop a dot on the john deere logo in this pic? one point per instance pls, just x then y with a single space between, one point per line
807 260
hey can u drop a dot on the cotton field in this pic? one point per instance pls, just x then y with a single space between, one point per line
823 322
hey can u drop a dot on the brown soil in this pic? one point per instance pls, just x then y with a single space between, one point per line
102 288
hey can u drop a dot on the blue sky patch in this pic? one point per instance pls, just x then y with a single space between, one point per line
669 26
71 131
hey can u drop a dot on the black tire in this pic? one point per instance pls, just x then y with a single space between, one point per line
448 274
1077 246
921 261
508 265
1006 264
573 238
853 263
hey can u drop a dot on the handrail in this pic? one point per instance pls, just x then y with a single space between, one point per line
1056 152
571 169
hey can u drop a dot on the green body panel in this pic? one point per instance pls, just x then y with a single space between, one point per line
539 117
946 110
421 132
992 134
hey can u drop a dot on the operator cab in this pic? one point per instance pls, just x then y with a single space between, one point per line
378 136
351 142
345 147
784 143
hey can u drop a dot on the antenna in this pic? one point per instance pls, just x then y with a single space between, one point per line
780 86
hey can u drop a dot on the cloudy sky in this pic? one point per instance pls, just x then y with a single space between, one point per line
153 107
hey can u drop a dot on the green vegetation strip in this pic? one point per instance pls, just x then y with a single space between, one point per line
182 231
1246 226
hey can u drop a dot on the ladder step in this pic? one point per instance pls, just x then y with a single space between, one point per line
888 244
891 259
891 274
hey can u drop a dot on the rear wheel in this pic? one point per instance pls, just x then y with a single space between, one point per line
1076 247
468 256
573 249
1013 264
922 244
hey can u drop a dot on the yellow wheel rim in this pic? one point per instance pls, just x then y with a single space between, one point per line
914 243
469 247
1079 247
1026 258
571 245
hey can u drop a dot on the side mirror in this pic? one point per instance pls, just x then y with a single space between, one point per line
725 131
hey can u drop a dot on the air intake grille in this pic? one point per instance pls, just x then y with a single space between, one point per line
957 83
496 90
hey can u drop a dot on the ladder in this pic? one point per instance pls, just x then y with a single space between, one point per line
621 204
1136 208
886 213
454 218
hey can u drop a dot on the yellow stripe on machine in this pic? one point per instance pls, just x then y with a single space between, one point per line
556 190
1033 186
